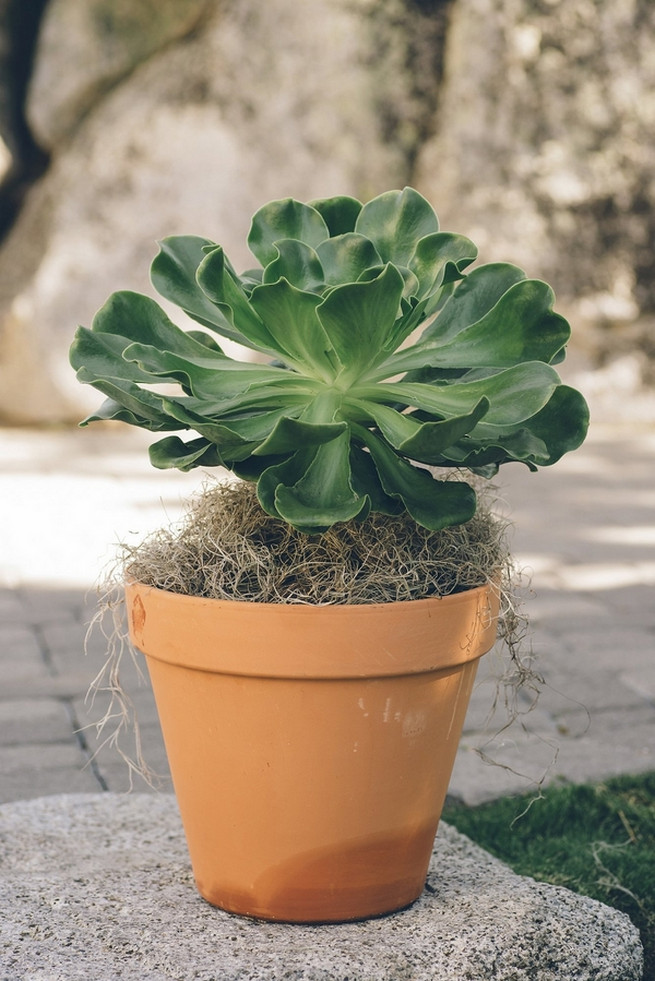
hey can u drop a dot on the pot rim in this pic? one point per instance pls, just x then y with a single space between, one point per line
292 640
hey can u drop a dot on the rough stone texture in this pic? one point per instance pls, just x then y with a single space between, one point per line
86 46
191 141
544 144
528 123
99 886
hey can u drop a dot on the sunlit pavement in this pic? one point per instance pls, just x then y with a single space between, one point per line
584 529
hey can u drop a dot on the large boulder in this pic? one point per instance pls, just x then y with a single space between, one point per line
86 46
544 141
256 103
100 886
528 126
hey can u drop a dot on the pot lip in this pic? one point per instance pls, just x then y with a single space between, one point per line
306 609
277 640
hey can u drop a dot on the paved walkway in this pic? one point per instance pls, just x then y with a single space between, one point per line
586 529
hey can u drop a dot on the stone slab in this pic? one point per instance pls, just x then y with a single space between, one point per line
99 886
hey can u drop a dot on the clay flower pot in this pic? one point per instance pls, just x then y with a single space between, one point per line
311 747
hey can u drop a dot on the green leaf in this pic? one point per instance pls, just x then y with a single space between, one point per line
338 213
324 494
284 219
366 483
562 423
346 258
173 274
395 222
288 434
514 394
435 504
290 316
520 327
139 402
110 410
358 319
433 255
135 317
298 264
98 356
422 441
220 379
518 445
172 452
473 298
222 286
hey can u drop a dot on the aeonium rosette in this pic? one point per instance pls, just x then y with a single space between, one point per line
379 362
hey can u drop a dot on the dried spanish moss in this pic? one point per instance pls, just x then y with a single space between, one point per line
227 547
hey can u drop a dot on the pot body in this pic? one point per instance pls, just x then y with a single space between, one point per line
311 747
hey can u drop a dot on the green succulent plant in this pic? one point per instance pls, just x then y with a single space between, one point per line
378 360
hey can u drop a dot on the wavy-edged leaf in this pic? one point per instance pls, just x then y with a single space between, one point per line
222 286
96 356
111 410
206 376
358 319
520 327
288 434
562 423
395 222
291 318
339 213
346 258
366 482
287 218
422 441
172 452
435 504
518 446
298 264
139 402
324 494
138 318
514 394
173 274
433 255
472 299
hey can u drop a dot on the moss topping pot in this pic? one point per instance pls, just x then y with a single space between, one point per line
311 748
311 745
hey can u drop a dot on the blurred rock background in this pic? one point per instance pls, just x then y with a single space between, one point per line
529 124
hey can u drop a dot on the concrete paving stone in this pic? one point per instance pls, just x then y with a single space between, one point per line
605 650
34 720
19 640
116 777
64 637
577 723
11 609
564 694
48 604
519 763
42 769
484 771
22 671
558 608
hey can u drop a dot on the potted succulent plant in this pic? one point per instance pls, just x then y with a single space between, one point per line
311 740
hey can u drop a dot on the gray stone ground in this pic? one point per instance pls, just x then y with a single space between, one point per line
585 529
97 886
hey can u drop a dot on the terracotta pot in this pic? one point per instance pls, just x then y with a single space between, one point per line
311 747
